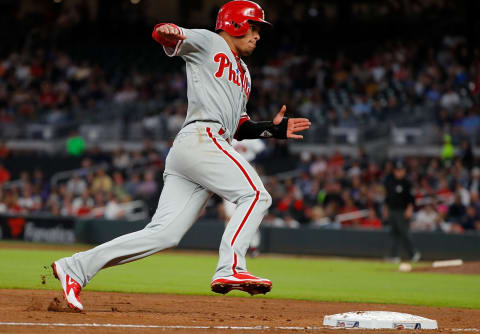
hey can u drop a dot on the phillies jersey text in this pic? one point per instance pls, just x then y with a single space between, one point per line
218 90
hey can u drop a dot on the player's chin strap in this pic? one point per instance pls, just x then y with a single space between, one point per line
252 130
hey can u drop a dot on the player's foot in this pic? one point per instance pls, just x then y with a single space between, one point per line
71 289
243 282
393 259
253 252
416 257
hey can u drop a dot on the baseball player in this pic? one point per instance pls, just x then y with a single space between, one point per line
201 160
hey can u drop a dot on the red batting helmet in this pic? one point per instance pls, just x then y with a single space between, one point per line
233 17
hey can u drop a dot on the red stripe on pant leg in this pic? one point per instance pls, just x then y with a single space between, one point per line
234 263
231 157
246 216
257 194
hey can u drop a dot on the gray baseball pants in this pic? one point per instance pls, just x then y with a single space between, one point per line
200 162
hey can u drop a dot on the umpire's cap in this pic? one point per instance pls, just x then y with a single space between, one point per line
399 164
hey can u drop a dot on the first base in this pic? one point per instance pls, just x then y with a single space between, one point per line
379 319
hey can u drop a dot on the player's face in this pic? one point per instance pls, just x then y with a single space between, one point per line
400 173
248 42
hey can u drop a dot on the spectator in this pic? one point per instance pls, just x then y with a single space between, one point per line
28 201
133 185
83 204
4 174
148 187
119 188
457 210
76 185
371 221
426 219
273 220
470 220
349 207
11 202
450 99
101 182
443 192
67 209
98 209
290 222
318 167
113 209
121 159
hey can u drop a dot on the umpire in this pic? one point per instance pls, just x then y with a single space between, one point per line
398 210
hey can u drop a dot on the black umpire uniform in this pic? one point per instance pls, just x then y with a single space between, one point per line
399 200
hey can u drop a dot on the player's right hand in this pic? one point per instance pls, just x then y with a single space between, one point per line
170 33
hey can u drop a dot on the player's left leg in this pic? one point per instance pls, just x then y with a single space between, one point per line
407 242
179 205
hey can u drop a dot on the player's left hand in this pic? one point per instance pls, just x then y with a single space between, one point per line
294 124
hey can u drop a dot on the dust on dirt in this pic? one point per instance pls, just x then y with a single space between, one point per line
36 304
58 305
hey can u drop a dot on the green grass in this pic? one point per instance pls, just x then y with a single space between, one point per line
296 278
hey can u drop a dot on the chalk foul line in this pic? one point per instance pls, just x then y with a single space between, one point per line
252 328
291 328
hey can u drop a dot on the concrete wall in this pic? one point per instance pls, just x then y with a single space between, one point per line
351 243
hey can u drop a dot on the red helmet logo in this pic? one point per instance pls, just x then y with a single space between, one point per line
233 17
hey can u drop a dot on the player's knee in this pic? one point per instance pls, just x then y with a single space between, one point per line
265 198
170 241
175 240
165 237
261 197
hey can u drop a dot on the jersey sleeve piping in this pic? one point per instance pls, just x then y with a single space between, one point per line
173 51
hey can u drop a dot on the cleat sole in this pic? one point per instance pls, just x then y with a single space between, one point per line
253 288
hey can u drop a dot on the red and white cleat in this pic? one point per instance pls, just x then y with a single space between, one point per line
243 282
71 289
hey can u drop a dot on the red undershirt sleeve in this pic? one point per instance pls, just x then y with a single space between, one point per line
158 37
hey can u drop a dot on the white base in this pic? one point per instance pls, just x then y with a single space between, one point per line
379 319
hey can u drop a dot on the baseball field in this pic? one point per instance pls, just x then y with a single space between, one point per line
170 292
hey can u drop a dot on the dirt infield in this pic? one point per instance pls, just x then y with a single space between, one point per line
195 314
467 268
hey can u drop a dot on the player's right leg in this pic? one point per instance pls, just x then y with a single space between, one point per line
210 160
395 220
180 203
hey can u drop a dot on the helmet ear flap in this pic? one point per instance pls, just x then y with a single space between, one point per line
241 28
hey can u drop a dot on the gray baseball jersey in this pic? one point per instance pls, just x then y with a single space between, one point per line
217 89
200 162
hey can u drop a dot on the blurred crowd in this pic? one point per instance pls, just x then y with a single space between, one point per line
409 83
341 192
100 187
333 191
397 83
